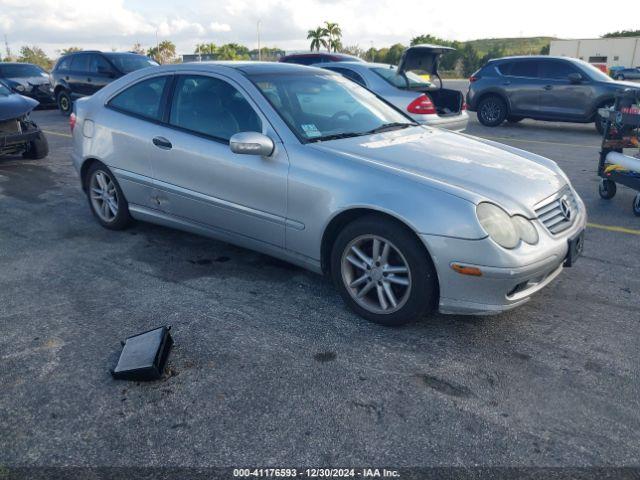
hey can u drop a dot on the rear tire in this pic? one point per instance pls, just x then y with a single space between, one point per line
38 148
65 105
398 280
636 205
607 189
492 111
106 200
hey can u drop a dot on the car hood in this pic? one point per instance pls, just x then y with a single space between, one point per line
624 84
27 81
458 163
14 106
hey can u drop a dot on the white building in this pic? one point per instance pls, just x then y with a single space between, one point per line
620 51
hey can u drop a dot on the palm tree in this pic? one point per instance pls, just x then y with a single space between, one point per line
318 38
334 33
206 48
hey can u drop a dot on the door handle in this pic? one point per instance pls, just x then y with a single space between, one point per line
162 142
548 87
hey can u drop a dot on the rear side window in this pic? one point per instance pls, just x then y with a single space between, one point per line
524 68
350 74
80 63
556 70
143 99
99 64
212 107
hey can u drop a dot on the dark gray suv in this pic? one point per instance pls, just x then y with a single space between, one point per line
543 88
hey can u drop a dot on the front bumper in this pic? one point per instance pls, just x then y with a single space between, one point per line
16 142
509 278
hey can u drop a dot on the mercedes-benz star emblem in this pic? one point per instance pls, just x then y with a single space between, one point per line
565 209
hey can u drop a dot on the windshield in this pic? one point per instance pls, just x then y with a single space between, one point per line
594 72
391 76
128 63
17 71
319 106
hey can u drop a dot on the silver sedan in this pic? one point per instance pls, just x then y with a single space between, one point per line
302 164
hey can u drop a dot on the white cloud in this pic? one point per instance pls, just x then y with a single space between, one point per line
219 27
106 24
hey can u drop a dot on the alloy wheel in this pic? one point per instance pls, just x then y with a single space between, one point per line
104 196
491 111
376 274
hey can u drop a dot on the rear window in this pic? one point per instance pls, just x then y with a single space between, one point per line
126 62
304 60
143 99
80 63
524 68
408 80
16 71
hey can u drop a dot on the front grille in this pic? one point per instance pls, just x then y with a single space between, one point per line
559 212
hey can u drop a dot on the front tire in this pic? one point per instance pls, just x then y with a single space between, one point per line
607 189
636 205
65 105
492 111
38 148
106 200
383 272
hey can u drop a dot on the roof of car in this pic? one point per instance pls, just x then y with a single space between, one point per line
17 63
248 67
355 64
532 57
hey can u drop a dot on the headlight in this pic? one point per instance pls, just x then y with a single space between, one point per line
498 225
525 228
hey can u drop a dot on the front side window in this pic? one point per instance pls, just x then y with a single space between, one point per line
556 70
211 107
143 99
320 106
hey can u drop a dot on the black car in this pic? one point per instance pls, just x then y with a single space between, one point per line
29 80
556 89
83 73
312 58
18 133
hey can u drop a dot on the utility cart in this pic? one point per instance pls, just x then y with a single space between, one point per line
621 132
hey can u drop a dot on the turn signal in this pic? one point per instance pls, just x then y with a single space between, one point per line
466 270
72 121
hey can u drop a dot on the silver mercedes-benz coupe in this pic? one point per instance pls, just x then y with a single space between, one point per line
305 165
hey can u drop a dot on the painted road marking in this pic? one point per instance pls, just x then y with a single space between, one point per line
51 132
611 228
541 141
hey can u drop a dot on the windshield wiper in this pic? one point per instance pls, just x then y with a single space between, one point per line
387 127
336 136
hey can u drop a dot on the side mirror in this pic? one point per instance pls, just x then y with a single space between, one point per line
251 143
575 78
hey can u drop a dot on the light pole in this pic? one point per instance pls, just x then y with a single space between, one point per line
258 33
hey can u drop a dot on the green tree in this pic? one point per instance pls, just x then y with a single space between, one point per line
395 54
206 48
495 52
34 54
68 50
622 33
334 32
318 38
164 52
354 50
138 48
545 50
470 60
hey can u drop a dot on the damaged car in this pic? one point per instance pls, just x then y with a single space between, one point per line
29 80
406 88
19 135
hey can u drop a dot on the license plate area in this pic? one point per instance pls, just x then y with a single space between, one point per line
576 245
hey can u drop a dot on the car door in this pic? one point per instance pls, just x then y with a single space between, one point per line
521 84
76 77
559 97
100 73
197 175
131 120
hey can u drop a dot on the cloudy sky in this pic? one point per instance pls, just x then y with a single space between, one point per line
107 24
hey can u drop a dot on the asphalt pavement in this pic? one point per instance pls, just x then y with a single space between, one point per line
270 369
